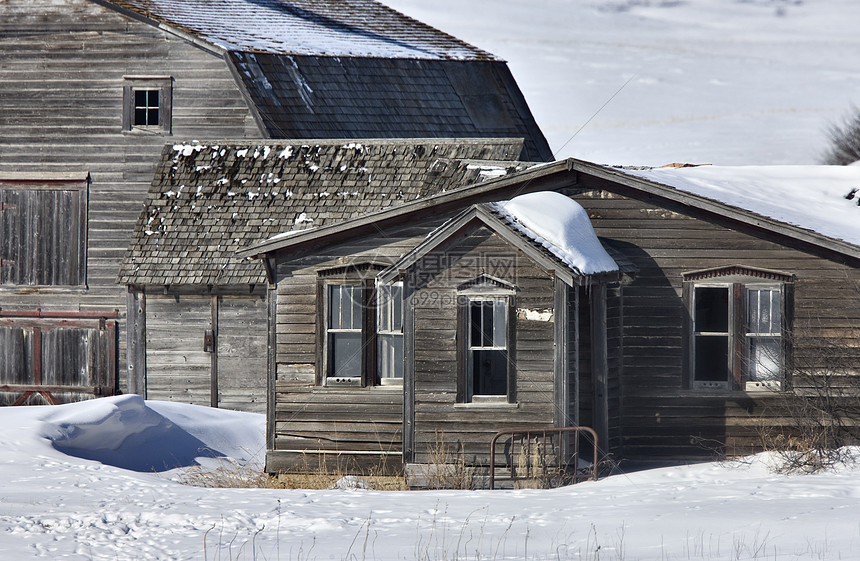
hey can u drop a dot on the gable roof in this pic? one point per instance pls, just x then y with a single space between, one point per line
572 174
210 199
351 69
505 225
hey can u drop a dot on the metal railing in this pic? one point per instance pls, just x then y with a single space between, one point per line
545 454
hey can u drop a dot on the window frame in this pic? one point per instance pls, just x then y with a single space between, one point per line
387 317
134 84
485 288
739 282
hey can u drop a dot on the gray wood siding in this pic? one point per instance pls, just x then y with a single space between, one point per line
61 111
242 332
438 418
660 418
351 429
177 367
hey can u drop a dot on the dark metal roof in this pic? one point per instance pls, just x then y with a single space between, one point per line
355 97
210 199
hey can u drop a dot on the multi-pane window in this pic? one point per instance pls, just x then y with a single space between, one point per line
737 339
487 348
764 334
344 331
147 104
389 332
146 108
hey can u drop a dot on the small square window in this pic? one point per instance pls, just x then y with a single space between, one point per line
147 104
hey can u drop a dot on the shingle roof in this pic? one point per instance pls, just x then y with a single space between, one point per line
210 199
309 27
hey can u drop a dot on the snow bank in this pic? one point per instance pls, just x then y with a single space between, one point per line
562 226
127 432
57 506
811 197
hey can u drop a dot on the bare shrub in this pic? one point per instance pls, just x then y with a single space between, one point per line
814 422
844 140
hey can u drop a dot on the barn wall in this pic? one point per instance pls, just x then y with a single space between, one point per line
61 111
660 419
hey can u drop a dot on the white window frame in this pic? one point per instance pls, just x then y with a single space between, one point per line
389 333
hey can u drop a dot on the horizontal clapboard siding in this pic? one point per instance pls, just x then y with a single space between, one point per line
468 428
660 419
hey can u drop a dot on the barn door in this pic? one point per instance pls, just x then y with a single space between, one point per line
56 357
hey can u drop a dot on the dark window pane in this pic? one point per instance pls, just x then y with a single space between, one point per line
140 98
152 98
712 310
140 117
152 117
345 355
489 373
475 323
712 358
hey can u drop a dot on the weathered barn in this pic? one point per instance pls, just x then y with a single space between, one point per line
739 281
93 89
198 327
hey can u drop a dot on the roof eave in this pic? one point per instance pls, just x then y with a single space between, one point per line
715 207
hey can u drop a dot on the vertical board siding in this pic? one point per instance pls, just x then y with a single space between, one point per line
177 367
242 336
61 111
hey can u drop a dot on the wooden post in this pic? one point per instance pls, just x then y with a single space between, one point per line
213 357
600 364
271 363
136 341
408 370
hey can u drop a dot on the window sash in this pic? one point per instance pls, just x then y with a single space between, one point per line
389 306
344 331
487 348
737 334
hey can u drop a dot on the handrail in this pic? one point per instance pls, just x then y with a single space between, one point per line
543 431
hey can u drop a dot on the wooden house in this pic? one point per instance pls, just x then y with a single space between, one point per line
198 327
94 89
729 282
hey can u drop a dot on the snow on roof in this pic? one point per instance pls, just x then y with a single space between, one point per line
823 199
562 226
362 28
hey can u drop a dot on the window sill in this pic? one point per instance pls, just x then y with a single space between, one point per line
138 131
487 405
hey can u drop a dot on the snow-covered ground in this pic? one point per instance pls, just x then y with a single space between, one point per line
59 505
726 82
